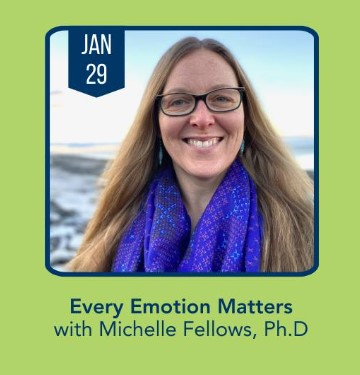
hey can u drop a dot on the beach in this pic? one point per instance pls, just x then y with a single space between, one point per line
74 189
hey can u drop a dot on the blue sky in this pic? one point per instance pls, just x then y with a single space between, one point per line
280 65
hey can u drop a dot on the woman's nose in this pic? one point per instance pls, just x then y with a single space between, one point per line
201 117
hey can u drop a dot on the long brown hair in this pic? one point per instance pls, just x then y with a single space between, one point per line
285 192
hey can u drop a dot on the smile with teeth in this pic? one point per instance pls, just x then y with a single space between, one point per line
203 144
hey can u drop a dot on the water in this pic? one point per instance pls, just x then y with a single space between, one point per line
303 150
301 147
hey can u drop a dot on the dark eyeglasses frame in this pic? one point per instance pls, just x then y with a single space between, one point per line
203 98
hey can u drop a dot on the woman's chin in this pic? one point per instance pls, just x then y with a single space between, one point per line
202 170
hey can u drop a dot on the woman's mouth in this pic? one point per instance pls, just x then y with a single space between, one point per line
203 143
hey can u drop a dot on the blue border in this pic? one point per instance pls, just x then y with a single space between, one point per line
182 274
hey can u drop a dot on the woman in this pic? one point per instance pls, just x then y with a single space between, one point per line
202 183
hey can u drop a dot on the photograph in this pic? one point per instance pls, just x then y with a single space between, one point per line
203 164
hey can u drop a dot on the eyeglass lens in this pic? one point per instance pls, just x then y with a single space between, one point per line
221 100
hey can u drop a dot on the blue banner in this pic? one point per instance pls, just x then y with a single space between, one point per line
96 59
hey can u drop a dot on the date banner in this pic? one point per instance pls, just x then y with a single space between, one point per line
96 59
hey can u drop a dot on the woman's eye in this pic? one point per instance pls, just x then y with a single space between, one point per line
178 102
221 99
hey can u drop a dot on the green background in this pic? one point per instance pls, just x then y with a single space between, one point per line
33 300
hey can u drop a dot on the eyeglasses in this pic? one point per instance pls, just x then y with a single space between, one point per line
221 100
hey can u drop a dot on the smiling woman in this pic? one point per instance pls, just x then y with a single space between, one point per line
202 183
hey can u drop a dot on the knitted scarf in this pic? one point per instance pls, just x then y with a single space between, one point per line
227 237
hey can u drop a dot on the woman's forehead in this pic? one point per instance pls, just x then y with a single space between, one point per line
201 70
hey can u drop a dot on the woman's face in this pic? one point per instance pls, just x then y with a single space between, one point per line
202 144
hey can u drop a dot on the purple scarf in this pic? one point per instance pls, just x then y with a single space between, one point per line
227 237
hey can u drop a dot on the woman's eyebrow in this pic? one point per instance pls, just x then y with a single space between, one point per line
188 91
176 90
